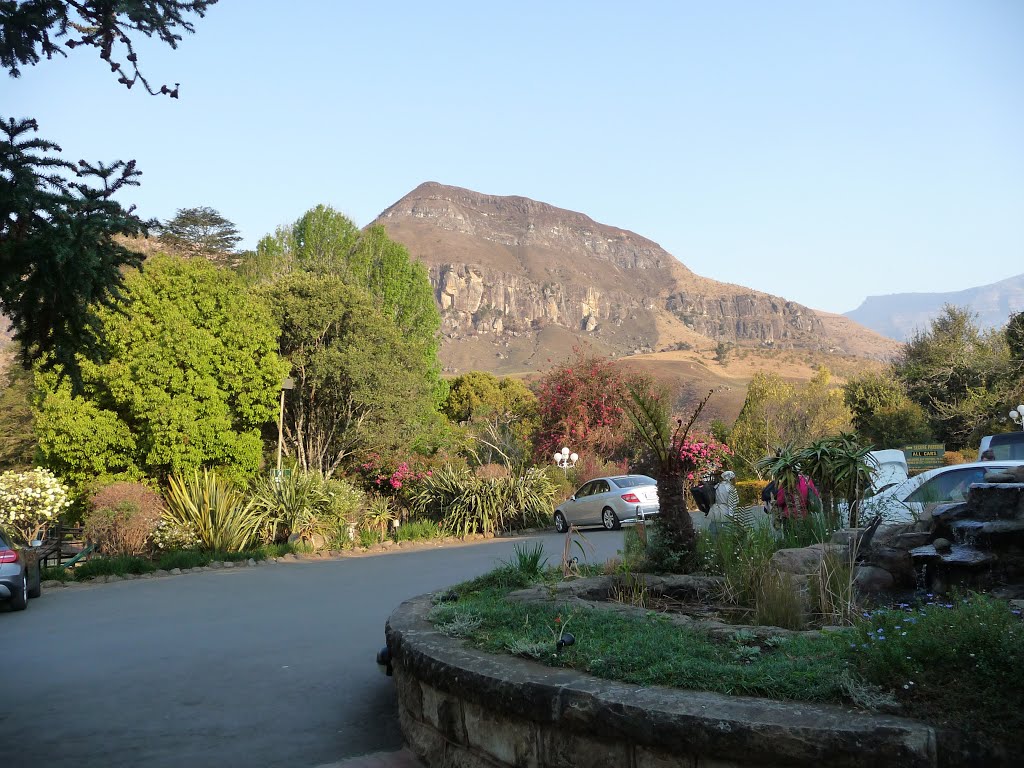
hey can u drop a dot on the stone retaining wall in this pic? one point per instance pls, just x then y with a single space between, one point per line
462 708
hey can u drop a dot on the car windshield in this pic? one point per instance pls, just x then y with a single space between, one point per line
632 481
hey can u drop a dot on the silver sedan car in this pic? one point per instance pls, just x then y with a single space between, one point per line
609 501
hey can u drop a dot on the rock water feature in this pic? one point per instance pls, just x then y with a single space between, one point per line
979 543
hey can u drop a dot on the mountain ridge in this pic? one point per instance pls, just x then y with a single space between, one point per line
505 268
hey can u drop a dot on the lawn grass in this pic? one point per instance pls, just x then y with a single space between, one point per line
956 664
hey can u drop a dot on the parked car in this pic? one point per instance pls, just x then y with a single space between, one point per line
609 501
913 498
19 571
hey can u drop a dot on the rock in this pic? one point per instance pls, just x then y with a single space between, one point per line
51 584
942 545
214 564
250 562
114 577
869 578
896 561
387 544
175 571
161 572
805 560
229 564
1011 475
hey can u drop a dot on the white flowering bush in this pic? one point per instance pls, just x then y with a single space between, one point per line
171 534
31 500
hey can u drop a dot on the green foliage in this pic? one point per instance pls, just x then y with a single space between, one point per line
124 528
464 503
361 385
917 651
777 413
528 560
883 415
113 566
220 515
500 416
646 649
306 504
17 439
200 232
187 377
379 517
962 377
57 246
418 530
749 492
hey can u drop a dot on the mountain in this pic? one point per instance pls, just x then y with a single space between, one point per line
899 315
520 282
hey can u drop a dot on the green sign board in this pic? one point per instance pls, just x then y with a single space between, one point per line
924 456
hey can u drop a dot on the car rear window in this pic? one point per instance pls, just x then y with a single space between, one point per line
1009 445
632 481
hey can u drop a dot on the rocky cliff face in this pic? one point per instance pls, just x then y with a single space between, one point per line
508 267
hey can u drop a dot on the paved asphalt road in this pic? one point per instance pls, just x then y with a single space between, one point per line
267 666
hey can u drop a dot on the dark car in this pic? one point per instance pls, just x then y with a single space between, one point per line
19 571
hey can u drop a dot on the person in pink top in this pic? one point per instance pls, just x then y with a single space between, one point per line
799 504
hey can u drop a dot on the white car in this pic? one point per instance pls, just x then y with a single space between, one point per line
609 501
913 498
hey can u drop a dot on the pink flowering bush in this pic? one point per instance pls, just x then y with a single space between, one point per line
703 456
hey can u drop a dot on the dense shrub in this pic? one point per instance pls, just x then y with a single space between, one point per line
750 492
463 503
123 519
213 509
30 501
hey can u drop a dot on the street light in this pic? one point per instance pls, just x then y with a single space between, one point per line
288 383
1017 414
566 460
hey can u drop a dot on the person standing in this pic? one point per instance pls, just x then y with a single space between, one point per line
726 501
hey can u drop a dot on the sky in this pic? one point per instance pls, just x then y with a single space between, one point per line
818 150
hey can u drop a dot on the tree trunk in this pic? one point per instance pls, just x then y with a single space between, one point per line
675 516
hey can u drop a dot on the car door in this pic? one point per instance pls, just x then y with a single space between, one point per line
575 509
599 499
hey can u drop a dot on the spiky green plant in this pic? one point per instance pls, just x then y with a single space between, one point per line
212 507
379 516
291 503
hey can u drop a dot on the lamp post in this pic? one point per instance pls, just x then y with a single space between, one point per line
565 460
288 383
1017 415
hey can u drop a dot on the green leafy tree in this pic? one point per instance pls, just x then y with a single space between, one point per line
362 384
499 414
325 242
59 221
776 413
186 378
958 374
883 415
17 438
201 232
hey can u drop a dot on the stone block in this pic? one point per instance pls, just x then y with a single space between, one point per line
409 694
868 578
428 744
443 713
512 741
457 757
562 748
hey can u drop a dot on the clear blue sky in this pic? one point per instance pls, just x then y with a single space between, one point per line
823 151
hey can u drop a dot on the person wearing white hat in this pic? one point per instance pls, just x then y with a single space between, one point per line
726 501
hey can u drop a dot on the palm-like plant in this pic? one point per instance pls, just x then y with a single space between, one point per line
291 504
214 509
649 413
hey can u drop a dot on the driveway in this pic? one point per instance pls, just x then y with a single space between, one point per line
265 666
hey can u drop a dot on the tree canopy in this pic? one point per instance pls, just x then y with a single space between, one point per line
362 384
33 29
200 232
59 221
186 377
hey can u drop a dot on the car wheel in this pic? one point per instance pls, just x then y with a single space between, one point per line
560 523
609 519
36 588
20 601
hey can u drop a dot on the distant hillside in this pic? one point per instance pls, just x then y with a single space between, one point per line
520 282
898 315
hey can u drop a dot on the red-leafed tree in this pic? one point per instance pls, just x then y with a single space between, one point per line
581 405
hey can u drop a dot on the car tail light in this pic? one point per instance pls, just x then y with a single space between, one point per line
8 556
630 498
